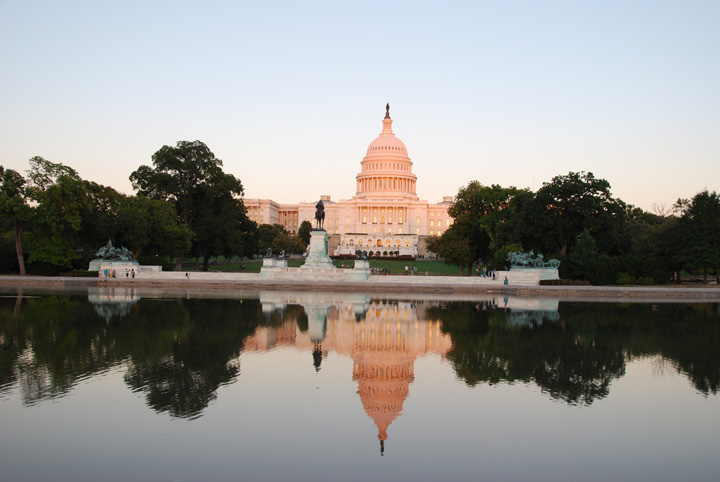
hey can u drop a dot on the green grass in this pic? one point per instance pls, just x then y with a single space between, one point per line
433 268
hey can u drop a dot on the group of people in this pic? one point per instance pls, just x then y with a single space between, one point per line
411 270
484 272
113 273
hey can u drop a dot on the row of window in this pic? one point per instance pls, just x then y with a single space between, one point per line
387 165
379 243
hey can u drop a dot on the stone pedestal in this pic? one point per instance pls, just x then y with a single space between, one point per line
318 251
362 264
274 263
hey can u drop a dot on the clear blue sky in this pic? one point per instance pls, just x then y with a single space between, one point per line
289 94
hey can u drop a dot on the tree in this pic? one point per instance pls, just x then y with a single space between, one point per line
576 202
304 232
14 208
61 201
700 227
275 236
208 201
477 211
582 256
454 247
150 226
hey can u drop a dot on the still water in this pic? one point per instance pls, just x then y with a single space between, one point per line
126 384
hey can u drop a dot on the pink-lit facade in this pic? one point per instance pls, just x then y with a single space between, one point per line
384 215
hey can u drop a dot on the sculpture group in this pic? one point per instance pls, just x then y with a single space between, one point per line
111 253
526 260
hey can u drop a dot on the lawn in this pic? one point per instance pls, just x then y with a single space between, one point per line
432 268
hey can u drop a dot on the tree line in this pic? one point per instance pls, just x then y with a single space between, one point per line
575 218
185 205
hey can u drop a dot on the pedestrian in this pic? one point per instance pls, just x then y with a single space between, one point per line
484 272
506 281
106 272
133 273
187 274
406 270
127 273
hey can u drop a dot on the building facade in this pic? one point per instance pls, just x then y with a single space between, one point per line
385 216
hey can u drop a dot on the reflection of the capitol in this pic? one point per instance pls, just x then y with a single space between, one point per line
382 337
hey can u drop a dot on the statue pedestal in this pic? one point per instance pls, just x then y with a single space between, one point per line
362 264
318 265
318 251
274 263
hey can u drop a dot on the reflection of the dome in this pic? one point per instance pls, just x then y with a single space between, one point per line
382 337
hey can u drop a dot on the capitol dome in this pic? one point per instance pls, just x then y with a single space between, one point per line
386 169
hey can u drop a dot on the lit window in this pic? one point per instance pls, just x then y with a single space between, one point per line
400 220
417 221
407 243
432 233
400 231
448 222
364 219
417 231
432 223
390 220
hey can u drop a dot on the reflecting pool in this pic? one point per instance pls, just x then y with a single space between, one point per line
132 384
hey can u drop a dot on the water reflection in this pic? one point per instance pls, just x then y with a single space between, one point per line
383 338
177 352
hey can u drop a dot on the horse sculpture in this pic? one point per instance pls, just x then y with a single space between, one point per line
319 215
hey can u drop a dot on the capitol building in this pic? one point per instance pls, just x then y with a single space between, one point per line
384 216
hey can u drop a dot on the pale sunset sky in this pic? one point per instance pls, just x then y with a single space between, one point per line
290 94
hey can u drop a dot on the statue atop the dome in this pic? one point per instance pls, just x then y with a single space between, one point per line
319 214
387 110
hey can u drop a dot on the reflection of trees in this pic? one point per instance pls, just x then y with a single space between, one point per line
195 361
575 357
178 352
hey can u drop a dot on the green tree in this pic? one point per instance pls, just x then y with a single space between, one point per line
150 226
576 202
304 232
454 247
14 209
583 256
208 201
61 201
477 211
699 247
275 236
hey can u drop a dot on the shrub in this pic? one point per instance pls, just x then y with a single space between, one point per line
625 279
646 281
564 282
80 273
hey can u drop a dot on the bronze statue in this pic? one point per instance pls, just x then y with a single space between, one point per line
319 215
387 110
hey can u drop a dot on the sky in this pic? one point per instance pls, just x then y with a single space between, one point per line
290 94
